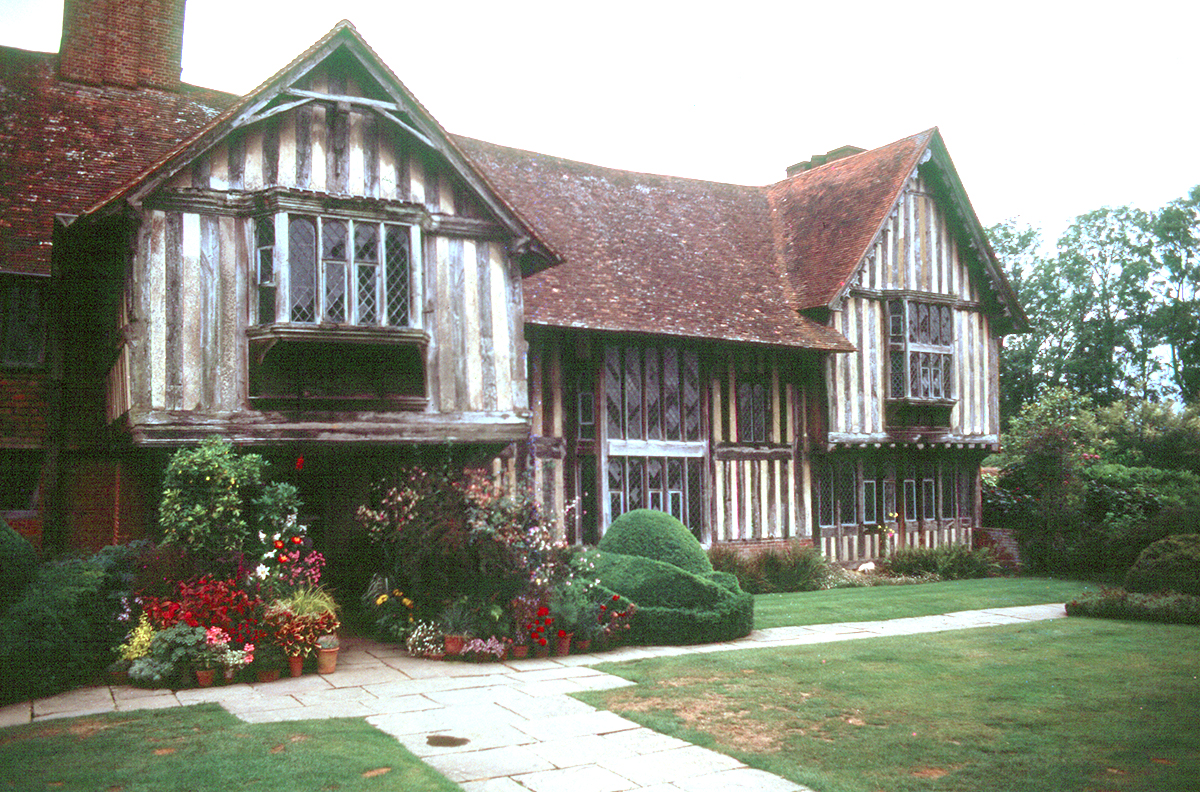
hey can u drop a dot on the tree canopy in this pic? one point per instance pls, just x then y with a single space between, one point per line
1115 310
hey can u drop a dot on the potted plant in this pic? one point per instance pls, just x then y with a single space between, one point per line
458 623
426 640
327 653
298 620
234 659
588 631
485 650
269 660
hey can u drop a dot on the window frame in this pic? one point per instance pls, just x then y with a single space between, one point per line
383 310
32 335
921 350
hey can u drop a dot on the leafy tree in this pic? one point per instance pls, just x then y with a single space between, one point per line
1177 233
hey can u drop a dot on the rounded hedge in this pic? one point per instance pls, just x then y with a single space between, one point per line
18 564
1171 564
675 606
658 536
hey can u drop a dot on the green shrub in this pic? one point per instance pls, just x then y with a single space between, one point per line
1133 606
60 632
655 535
675 606
1171 564
774 568
216 501
948 562
18 564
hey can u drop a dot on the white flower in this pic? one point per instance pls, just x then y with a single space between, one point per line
262 572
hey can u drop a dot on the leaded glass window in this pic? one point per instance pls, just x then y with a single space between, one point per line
362 275
920 362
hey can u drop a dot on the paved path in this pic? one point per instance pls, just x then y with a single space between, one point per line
510 727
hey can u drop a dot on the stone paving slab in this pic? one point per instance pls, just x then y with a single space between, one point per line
578 725
668 766
581 778
492 763
741 779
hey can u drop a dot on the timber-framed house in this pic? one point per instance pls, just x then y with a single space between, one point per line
319 271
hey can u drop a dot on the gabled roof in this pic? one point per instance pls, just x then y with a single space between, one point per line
828 217
279 93
651 254
827 220
661 254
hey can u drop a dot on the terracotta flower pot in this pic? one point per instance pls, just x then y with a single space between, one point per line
228 674
454 644
266 674
520 651
562 646
540 650
296 665
327 660
205 676
581 645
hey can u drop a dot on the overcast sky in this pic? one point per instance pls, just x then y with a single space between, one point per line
1049 109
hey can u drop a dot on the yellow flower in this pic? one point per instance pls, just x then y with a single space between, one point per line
406 602
382 598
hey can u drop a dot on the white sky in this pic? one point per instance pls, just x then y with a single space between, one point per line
1049 109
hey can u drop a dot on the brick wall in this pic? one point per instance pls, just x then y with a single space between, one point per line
22 407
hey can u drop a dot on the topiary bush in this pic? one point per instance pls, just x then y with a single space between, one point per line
1171 564
674 606
18 564
656 535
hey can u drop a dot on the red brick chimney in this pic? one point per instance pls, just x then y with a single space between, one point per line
126 43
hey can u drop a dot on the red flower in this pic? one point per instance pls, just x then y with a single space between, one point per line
296 540
543 611
603 607
300 462
278 545
549 621
562 633
616 597
283 558
541 641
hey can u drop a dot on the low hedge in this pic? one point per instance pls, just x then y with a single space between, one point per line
675 606
775 568
655 535
1171 564
1169 608
18 564
948 562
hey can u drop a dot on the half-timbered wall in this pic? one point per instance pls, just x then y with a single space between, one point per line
711 434
217 247
912 412
915 261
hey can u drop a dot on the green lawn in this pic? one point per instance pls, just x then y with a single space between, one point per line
895 602
1070 705
204 748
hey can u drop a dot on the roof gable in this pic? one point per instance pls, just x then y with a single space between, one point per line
828 220
356 77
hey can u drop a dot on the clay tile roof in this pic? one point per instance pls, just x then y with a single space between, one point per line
826 218
63 146
650 254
